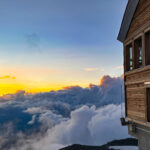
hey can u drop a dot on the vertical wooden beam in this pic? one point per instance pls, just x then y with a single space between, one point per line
145 103
125 68
143 50
124 58
125 97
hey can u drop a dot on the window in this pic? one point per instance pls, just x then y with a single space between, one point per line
147 48
129 58
138 53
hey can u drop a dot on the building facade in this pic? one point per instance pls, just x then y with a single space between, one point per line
135 36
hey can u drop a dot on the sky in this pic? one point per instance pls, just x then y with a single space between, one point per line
51 44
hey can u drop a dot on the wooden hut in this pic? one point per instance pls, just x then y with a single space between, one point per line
135 36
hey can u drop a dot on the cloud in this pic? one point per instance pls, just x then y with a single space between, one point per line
118 68
8 77
50 119
5 77
91 69
86 125
74 115
63 101
35 110
25 70
32 121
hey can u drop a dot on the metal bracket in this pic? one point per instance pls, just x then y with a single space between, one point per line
124 122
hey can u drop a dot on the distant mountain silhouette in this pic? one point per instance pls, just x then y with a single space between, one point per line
123 142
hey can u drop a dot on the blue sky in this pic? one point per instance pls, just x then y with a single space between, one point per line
73 41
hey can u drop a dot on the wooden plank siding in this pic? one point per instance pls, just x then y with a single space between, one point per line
141 17
135 93
135 88
135 99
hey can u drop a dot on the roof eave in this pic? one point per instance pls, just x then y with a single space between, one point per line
127 19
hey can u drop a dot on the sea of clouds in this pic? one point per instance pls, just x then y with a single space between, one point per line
52 120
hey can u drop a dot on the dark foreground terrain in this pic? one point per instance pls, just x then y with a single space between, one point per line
124 142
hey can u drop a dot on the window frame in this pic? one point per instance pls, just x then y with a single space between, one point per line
129 60
137 49
147 48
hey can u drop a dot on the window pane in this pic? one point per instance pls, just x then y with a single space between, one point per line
138 53
129 58
130 52
147 48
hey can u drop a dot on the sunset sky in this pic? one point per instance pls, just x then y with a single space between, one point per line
49 44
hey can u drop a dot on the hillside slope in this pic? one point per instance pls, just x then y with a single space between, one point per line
124 142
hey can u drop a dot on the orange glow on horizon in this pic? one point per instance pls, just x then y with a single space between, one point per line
13 88
101 80
35 80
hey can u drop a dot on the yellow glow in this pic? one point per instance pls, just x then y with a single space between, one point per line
91 69
10 88
34 80
101 81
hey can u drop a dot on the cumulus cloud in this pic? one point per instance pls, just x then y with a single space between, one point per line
87 125
50 119
63 101
74 115
105 125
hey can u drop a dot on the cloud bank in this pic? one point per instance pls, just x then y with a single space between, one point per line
51 120
87 125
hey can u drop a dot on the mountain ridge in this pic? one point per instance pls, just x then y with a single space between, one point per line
122 142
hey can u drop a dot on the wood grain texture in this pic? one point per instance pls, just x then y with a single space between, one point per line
141 17
135 95
136 98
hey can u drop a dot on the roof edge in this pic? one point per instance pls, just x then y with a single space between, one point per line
127 19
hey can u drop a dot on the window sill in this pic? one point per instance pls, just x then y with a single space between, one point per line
144 68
